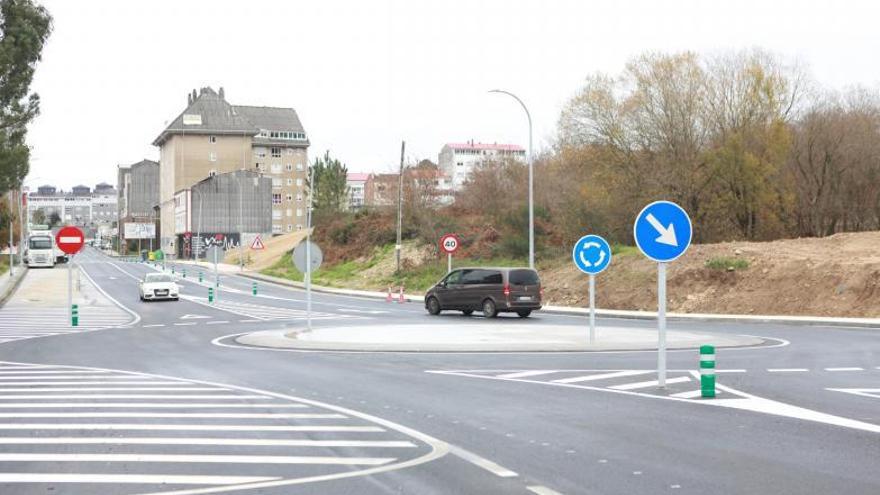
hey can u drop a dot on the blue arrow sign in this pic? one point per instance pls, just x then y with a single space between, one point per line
662 231
591 254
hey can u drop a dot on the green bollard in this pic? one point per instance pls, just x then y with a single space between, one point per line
172 269
254 287
707 371
74 315
210 294
183 272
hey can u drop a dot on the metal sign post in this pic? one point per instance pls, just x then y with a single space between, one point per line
663 232
70 240
592 255
307 257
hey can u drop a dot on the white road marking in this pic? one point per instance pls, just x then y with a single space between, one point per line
230 459
184 324
170 479
132 396
484 463
151 414
651 383
787 370
49 372
164 405
602 376
523 374
873 393
121 379
249 321
216 322
845 369
542 490
98 382
154 325
123 388
690 394
184 427
254 442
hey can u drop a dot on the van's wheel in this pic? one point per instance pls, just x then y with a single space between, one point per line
524 313
467 312
489 309
433 306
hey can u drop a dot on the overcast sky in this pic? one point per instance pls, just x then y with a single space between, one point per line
365 74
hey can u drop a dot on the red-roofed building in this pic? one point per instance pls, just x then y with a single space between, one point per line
357 183
457 160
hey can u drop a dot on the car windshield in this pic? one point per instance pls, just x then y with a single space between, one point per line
40 243
158 277
524 277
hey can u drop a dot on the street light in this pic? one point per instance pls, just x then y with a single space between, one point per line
531 180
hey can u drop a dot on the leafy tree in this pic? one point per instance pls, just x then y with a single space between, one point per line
38 218
331 187
24 29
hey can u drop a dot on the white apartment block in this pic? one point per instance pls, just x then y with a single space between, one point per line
458 160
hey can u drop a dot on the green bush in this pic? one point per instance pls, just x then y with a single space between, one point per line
723 263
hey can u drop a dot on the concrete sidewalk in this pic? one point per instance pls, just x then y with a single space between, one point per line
486 336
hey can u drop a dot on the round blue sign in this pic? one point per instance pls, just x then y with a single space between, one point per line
591 254
663 231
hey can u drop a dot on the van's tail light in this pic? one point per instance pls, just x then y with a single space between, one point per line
541 292
506 291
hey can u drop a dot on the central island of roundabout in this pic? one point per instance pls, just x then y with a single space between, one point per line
485 336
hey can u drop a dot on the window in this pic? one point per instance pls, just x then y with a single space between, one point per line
276 182
259 166
475 277
299 166
299 197
276 151
524 277
276 198
299 227
276 229
299 182
276 168
289 212
299 212
460 164
212 173
290 197
276 214
260 152
212 139
289 167
454 278
289 182
289 228
212 156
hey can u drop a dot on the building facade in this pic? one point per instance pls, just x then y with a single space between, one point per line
357 184
81 206
458 160
212 137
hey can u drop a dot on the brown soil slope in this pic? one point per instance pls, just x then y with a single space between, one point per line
832 276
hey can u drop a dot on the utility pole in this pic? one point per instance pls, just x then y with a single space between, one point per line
399 244
11 226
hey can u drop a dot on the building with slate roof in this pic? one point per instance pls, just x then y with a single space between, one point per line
212 136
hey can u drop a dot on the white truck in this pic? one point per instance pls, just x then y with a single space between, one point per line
40 251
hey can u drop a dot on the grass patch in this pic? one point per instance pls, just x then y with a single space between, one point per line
730 264
623 250
4 264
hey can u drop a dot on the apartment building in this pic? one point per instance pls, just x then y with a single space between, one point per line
80 206
357 184
212 136
458 160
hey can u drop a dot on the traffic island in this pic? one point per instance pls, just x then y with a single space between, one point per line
486 337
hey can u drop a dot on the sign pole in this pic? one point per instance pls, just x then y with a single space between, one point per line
448 262
70 288
592 309
661 324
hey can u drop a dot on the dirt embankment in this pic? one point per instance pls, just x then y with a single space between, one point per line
832 276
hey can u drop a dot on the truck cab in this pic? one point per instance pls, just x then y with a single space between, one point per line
40 250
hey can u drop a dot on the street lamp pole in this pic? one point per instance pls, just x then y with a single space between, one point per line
531 179
198 240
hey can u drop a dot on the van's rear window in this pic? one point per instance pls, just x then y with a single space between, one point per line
524 277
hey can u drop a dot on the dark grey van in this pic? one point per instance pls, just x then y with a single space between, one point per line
490 290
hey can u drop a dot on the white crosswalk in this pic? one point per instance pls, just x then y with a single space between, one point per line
23 322
262 312
190 436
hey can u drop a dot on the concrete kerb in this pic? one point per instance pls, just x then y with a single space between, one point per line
606 313
9 288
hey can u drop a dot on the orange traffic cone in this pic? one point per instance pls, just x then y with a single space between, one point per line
390 298
401 299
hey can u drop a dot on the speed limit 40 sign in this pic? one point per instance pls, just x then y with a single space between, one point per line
449 243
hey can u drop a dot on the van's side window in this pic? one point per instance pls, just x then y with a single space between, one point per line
454 277
473 277
491 277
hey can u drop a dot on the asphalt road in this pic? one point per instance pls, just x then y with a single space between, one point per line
171 404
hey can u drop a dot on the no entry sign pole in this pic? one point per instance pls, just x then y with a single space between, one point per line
69 240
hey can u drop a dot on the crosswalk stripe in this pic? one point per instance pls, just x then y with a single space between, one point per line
130 405
152 414
170 479
98 382
185 427
132 396
652 383
228 459
109 389
243 442
602 376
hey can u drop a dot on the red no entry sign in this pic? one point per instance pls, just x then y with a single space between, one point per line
70 240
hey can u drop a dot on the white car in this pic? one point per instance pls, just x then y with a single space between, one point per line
158 286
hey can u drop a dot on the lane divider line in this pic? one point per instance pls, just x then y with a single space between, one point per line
482 462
